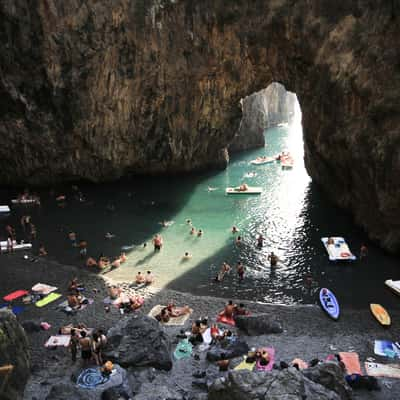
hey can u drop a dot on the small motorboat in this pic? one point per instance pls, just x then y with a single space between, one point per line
262 160
4 209
329 303
380 314
26 201
239 190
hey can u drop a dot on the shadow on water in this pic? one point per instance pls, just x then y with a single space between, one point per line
305 267
130 209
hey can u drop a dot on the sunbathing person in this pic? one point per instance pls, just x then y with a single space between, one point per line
104 262
91 262
163 316
66 330
139 278
122 258
229 309
74 301
114 292
116 263
178 311
197 331
240 310
243 187
75 287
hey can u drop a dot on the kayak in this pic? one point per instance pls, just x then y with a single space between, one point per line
380 314
329 303
394 285
250 190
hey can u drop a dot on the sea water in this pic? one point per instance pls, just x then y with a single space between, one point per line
291 213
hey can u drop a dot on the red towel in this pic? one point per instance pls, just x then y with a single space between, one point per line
15 295
352 363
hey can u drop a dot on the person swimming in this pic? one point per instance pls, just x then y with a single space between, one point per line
235 229
109 235
211 189
200 233
187 256
193 231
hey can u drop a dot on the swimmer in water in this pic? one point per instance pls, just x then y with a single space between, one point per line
189 221
211 189
238 241
193 231
109 235
187 256
235 229
199 233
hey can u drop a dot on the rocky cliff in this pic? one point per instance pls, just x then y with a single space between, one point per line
96 89
264 109
14 352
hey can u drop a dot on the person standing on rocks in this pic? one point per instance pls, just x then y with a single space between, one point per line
73 345
86 348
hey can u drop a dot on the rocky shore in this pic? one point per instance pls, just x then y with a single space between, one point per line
307 334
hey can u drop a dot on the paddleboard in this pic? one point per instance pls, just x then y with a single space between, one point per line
394 285
329 303
380 314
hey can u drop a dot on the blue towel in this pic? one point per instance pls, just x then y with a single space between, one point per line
15 309
91 377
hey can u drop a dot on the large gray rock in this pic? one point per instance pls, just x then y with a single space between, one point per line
65 391
232 350
138 341
331 376
259 324
288 384
13 351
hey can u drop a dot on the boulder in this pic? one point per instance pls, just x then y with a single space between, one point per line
330 375
138 341
234 349
65 391
14 350
31 326
288 384
259 324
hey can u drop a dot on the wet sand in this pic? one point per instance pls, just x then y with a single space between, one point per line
308 332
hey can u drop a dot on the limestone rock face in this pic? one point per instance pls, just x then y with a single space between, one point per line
138 341
14 350
288 384
264 109
97 89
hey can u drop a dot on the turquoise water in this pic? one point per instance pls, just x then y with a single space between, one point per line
291 213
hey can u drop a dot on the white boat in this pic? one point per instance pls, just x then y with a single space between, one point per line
394 285
250 190
26 201
338 250
4 209
262 160
21 246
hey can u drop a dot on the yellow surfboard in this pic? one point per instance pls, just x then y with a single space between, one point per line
380 314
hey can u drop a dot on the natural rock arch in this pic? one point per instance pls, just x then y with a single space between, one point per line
96 89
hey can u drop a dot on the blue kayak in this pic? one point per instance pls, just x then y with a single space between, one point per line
329 303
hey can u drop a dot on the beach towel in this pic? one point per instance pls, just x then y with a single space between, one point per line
226 320
352 362
245 365
15 309
383 370
58 340
44 289
268 367
48 299
15 295
183 349
173 321
386 348
301 363
91 377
